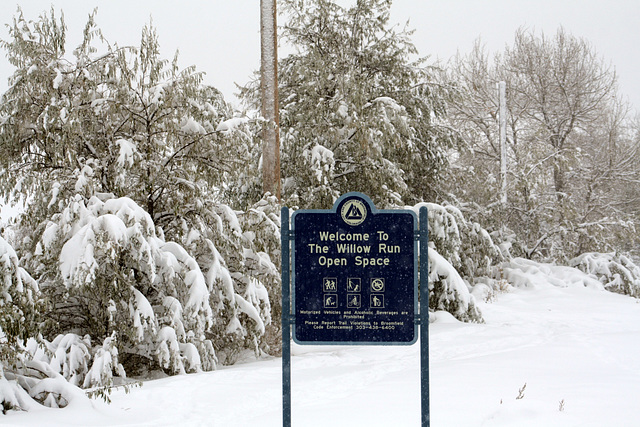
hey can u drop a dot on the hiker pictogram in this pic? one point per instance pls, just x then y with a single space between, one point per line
329 284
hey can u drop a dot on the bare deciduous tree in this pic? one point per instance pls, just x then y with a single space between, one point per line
569 146
564 85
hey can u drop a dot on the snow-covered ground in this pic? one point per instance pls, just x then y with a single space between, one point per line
576 348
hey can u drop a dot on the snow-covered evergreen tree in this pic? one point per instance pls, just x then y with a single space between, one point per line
357 113
124 163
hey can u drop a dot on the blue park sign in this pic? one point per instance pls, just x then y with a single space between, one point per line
355 281
355 274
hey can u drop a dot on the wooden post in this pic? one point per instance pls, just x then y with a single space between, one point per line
269 92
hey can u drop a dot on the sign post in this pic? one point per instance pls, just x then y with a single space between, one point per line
354 271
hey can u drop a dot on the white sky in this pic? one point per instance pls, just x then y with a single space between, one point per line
221 37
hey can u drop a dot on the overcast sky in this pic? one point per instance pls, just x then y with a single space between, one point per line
221 37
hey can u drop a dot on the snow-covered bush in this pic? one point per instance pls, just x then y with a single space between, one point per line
104 364
465 244
33 370
19 298
12 396
19 311
71 357
36 382
617 272
240 276
448 291
19 303
525 273
48 373
261 226
461 254
108 275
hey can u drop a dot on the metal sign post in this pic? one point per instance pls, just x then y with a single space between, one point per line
285 239
424 315
355 271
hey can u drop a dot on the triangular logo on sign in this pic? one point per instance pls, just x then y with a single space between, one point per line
354 213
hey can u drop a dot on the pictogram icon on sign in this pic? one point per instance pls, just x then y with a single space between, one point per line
353 284
330 301
377 284
377 301
329 284
354 300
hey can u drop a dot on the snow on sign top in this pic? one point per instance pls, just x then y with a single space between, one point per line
354 274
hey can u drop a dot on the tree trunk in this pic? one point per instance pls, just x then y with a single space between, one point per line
269 92
558 180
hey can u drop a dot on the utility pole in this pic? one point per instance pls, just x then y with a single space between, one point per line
269 93
502 90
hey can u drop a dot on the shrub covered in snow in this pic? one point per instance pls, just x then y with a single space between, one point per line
261 226
108 275
461 254
119 295
34 370
465 244
230 248
34 381
19 299
448 291
19 310
525 273
617 272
